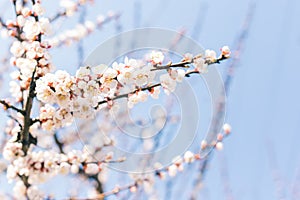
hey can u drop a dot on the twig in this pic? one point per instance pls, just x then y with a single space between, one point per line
57 16
20 125
2 23
9 106
58 143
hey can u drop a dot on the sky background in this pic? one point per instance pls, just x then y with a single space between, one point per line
261 158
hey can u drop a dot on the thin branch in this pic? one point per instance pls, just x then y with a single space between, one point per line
9 106
2 23
20 125
170 65
58 143
57 16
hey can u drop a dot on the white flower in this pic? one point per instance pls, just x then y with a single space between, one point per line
12 150
200 65
82 72
172 170
46 116
63 117
188 57
17 49
177 75
26 66
15 90
90 25
74 168
203 144
45 88
19 190
180 75
62 99
131 63
225 51
156 57
210 55
188 157
126 75
226 128
44 24
219 146
91 168
155 92
167 83
34 193
25 11
108 75
11 173
100 19
137 97
38 9
31 29
142 76
30 54
99 69
21 20
69 5
64 168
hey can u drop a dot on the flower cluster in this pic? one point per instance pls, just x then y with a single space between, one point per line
26 57
80 95
39 166
29 52
27 21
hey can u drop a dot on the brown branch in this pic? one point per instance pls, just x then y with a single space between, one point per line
33 121
27 120
183 64
9 106
20 125
58 143
2 23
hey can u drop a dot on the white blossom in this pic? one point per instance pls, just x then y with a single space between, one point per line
31 29
227 128
17 49
189 157
38 9
172 170
210 55
91 168
69 5
168 83
156 57
225 51
200 65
